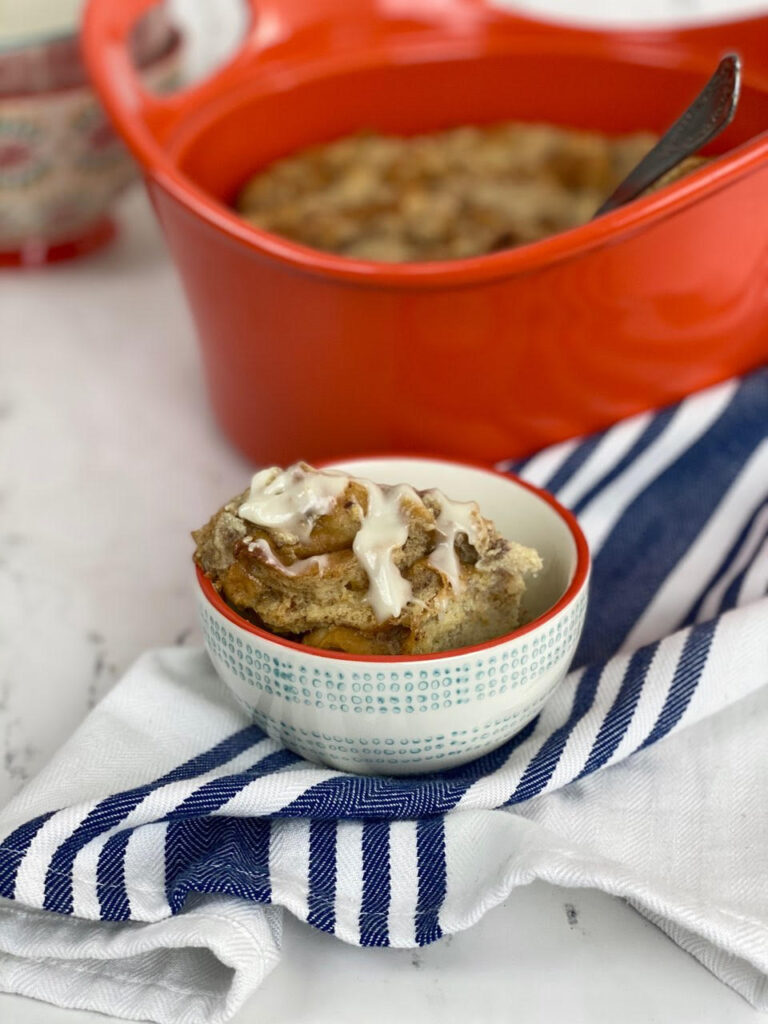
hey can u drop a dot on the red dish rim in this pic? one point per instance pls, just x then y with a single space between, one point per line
164 168
580 576
104 50
565 245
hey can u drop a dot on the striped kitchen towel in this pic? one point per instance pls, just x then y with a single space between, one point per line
144 871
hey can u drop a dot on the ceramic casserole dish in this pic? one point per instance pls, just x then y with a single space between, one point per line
310 354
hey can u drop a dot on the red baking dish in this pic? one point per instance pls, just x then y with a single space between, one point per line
311 354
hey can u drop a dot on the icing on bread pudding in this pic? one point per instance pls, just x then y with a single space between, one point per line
345 564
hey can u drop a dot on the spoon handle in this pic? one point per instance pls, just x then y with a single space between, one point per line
705 118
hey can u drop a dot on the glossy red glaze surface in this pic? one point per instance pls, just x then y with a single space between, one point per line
309 354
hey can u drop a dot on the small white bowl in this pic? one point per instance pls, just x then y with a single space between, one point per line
401 715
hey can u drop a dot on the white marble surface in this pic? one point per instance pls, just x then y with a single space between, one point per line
108 455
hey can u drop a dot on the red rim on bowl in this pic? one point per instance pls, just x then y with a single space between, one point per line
580 575
40 252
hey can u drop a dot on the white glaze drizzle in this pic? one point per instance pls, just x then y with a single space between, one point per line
455 517
384 531
298 568
292 500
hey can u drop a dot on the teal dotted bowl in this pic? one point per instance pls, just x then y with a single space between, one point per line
422 713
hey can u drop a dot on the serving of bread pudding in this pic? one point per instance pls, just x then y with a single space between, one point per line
341 563
445 195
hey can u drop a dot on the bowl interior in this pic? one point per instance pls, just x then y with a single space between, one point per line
519 514
220 145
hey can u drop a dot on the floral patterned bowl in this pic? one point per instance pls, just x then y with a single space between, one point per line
407 714
61 165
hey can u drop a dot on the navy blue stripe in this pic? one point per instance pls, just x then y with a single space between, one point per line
207 851
731 595
113 810
684 682
321 896
185 843
374 909
616 722
541 768
13 849
430 847
654 429
657 529
373 797
725 565
214 794
575 461
110 879
218 855
516 466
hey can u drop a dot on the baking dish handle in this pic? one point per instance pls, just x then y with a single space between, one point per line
279 31
701 44
144 119
283 32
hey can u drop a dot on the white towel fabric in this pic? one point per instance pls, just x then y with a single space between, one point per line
144 871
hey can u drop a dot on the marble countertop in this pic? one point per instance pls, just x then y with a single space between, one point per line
108 455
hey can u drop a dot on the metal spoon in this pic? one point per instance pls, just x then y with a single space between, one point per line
705 118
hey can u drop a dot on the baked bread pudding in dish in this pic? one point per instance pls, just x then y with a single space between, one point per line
345 564
445 195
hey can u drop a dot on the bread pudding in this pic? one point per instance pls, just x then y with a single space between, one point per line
445 195
345 564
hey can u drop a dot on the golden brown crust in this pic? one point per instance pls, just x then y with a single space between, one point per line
445 195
